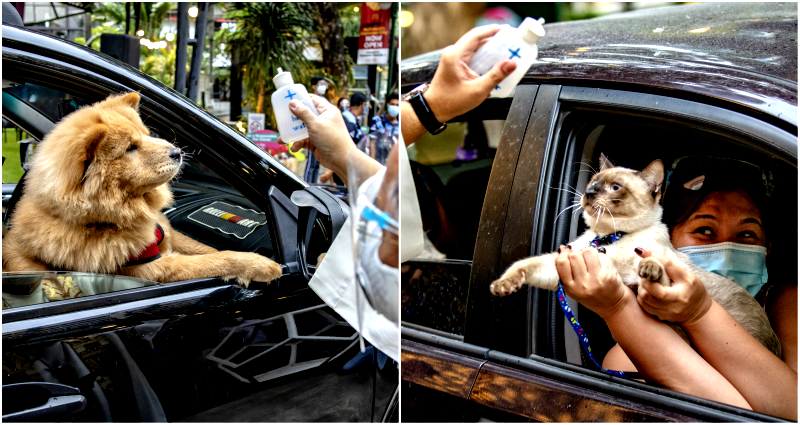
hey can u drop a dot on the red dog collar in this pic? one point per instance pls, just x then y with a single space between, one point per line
150 253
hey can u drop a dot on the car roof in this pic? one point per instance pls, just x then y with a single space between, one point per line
744 53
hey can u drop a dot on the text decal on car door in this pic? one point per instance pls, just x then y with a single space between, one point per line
229 219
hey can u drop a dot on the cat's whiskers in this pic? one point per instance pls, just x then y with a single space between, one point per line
574 192
594 171
613 223
577 204
598 214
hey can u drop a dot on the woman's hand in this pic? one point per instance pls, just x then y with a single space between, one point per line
685 302
592 280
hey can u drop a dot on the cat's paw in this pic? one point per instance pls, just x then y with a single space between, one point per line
651 269
506 286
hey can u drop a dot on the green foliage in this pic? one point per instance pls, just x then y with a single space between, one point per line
107 28
151 16
12 168
351 20
269 35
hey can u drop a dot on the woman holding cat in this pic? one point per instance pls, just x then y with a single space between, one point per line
719 205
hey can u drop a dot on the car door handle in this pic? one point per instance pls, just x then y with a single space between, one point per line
40 402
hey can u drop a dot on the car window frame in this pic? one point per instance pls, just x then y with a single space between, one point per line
502 327
64 77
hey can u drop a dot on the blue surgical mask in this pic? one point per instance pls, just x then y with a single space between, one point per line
393 110
744 264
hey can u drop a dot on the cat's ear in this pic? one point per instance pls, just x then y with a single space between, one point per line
605 163
653 174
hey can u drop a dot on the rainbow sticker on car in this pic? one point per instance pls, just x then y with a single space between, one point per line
229 219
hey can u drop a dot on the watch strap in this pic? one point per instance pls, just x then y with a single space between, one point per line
425 114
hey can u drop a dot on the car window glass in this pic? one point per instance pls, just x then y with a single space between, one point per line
52 103
23 289
451 172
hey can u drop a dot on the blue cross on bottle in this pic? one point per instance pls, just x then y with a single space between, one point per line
290 96
515 53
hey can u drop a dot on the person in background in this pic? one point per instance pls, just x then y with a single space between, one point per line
358 103
319 87
344 104
390 120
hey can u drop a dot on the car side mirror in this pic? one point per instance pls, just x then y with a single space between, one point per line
294 222
315 203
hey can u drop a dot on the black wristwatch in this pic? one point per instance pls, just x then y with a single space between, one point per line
417 100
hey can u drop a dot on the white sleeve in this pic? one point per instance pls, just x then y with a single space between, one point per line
334 282
411 241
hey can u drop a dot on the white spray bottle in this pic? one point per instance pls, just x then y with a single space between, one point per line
517 44
290 128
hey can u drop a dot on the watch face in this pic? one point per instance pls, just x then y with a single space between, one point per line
417 90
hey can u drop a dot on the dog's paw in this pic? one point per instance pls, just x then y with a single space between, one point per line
505 286
651 269
258 269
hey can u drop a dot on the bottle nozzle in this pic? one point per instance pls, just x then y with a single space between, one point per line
532 29
283 78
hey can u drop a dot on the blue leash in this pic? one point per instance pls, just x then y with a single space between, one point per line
576 326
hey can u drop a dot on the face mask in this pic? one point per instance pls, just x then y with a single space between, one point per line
321 89
744 264
393 110
344 106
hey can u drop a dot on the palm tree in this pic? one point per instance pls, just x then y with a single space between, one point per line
271 35
151 15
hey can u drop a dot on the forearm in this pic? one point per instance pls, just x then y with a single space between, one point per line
359 159
661 356
410 126
767 383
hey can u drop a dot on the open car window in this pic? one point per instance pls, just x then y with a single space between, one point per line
201 196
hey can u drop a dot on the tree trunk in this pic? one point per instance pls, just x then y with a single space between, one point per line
262 97
330 33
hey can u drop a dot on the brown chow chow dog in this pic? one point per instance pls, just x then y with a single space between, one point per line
92 202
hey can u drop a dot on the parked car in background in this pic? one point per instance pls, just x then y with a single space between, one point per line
201 350
705 79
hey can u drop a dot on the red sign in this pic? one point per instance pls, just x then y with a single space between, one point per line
373 36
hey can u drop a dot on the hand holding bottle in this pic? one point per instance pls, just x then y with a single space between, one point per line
455 88
327 138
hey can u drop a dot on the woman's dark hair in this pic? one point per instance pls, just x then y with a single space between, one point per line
721 175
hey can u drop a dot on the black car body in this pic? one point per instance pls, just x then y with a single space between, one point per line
198 350
707 79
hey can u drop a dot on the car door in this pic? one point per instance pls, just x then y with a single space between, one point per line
518 358
197 350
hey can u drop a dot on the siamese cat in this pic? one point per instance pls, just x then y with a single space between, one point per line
619 199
